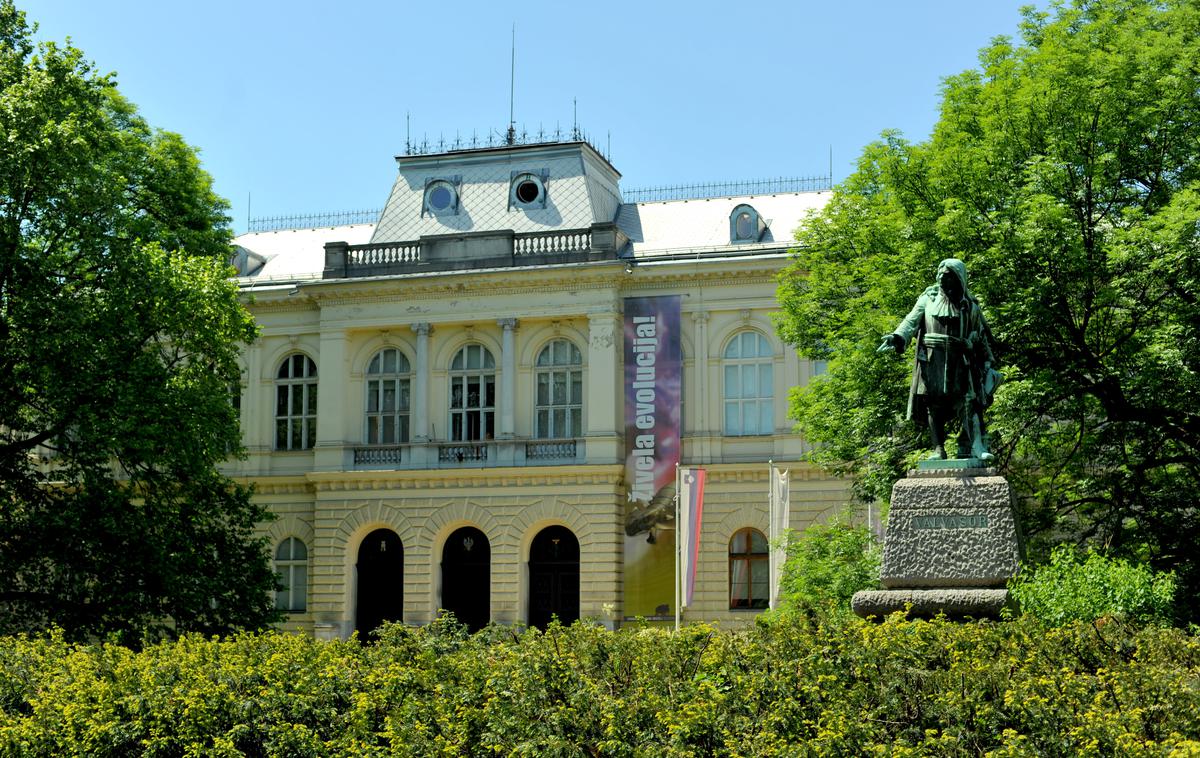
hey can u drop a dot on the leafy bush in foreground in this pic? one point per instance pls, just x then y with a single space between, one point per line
826 564
788 687
1069 588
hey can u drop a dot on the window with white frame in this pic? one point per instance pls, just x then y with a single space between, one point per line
296 403
749 566
472 394
749 387
388 398
291 566
558 404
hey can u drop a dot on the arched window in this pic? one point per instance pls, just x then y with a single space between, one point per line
558 405
291 564
472 394
749 391
749 583
296 403
387 398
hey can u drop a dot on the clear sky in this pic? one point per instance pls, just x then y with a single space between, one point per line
301 106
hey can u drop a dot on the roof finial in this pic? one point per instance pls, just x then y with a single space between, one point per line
512 88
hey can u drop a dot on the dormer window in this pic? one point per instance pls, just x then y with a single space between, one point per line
527 190
246 261
745 225
441 197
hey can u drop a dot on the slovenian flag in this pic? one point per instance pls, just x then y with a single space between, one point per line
691 507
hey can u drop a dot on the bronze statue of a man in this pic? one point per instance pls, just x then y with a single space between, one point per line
953 379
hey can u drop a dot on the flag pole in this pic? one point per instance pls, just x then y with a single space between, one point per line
771 535
678 548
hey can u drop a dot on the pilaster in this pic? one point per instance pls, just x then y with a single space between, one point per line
508 377
332 373
603 388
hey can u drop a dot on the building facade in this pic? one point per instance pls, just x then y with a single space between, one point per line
436 407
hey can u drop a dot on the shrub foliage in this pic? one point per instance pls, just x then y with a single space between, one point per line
1074 588
826 564
841 687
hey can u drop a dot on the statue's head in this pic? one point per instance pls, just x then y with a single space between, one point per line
952 277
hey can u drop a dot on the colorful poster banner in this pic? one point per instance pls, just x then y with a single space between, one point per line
653 375
653 383
691 511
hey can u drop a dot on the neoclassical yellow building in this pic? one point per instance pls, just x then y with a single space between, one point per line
443 407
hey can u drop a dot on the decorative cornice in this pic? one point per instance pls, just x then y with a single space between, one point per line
531 282
277 485
612 475
428 479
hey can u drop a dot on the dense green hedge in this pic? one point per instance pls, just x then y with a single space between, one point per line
843 687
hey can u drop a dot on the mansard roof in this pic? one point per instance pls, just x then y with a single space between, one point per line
577 216
581 190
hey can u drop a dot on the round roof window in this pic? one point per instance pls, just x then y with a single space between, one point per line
440 196
528 191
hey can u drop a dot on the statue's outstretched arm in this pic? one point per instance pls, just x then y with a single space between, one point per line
903 333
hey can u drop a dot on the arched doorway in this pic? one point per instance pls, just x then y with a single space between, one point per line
380 577
553 577
467 577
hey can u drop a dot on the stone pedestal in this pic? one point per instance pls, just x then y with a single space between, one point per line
950 546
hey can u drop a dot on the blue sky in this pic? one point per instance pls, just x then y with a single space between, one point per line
302 105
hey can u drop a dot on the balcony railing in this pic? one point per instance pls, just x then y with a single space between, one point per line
377 455
446 252
550 450
383 254
468 454
551 243
463 452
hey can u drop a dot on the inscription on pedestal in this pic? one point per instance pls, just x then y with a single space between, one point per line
973 521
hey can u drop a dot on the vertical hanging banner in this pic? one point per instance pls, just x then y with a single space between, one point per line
691 511
653 385
780 509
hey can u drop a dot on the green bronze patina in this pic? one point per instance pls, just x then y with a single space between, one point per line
953 379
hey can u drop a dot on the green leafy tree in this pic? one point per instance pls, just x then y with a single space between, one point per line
826 564
1073 588
1065 171
118 345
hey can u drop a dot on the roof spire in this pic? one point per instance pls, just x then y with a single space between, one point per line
512 88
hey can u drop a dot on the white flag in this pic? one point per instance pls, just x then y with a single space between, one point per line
691 512
780 507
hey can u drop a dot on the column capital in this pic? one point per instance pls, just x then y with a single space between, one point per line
507 323
422 327
700 316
